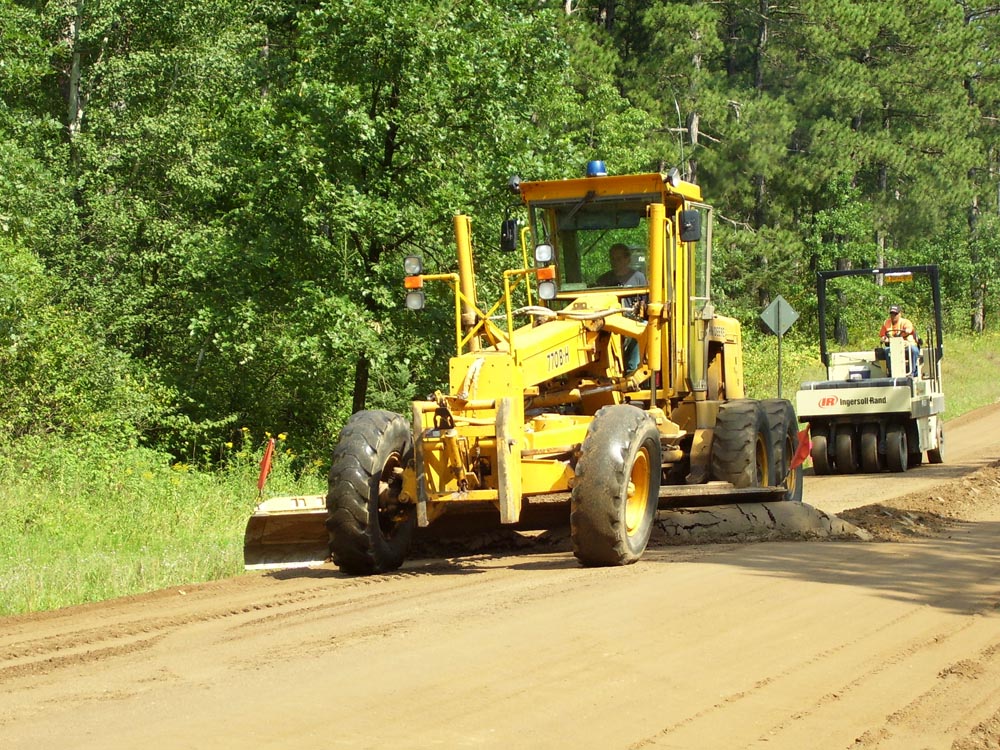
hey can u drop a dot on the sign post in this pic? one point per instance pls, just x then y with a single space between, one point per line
779 316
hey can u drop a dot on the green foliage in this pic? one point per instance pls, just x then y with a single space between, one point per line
56 377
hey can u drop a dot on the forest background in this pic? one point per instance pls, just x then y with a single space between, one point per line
204 206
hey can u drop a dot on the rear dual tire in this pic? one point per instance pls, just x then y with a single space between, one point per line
784 436
742 447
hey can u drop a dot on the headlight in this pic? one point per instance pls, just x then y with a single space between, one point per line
413 265
547 290
415 299
543 253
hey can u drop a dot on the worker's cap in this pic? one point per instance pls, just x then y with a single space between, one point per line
894 309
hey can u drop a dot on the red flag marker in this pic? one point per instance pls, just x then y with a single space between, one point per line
803 450
265 465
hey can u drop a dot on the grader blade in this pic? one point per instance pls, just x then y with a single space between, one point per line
287 532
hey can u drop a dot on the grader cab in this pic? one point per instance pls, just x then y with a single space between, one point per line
585 391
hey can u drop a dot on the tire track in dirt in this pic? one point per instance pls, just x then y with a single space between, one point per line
28 653
900 643
961 706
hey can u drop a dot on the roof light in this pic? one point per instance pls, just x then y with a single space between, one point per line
596 168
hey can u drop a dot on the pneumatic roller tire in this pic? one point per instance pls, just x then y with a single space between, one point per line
616 488
784 434
936 455
913 455
845 449
820 454
870 462
370 530
741 445
896 454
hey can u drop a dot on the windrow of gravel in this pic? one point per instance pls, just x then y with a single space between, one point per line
933 511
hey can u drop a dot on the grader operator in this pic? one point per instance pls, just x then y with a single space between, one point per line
544 411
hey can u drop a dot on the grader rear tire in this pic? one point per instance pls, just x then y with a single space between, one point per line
741 445
784 435
370 531
616 488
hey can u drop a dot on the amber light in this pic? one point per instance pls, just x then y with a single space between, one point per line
546 272
413 282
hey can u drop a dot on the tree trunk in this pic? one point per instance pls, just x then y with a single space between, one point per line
839 324
361 371
74 98
978 286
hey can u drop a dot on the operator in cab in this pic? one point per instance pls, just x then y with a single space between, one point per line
621 273
898 326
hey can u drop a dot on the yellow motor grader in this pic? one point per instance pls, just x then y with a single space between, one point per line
582 391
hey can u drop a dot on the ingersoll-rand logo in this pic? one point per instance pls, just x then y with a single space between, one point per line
830 402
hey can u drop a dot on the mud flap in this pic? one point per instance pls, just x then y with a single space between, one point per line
287 532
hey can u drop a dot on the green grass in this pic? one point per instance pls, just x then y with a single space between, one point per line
79 523
969 373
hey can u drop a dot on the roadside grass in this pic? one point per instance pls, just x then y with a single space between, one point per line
970 373
79 523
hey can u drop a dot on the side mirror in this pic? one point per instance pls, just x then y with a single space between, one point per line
508 235
690 225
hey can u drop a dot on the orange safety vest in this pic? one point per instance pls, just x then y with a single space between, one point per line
902 327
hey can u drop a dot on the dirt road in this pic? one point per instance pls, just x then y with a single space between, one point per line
789 644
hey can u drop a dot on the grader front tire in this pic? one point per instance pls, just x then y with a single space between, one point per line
370 531
616 488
